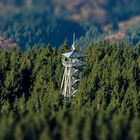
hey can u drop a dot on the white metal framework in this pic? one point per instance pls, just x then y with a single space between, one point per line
73 63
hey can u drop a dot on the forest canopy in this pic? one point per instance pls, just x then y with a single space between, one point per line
106 105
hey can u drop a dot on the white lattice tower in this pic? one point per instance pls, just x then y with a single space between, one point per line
73 63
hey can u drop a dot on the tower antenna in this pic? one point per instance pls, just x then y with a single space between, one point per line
73 45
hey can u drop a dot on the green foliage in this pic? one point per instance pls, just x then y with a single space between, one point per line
106 105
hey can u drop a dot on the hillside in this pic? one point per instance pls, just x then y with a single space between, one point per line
101 12
36 23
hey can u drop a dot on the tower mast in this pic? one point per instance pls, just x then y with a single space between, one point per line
73 45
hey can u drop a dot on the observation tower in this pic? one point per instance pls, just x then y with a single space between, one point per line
73 62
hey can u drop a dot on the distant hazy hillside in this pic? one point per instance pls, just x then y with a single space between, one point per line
91 11
37 22
98 11
33 25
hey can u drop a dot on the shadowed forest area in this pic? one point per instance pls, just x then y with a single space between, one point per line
31 23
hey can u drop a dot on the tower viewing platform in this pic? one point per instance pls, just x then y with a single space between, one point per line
72 59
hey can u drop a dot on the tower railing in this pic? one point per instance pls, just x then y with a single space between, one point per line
72 64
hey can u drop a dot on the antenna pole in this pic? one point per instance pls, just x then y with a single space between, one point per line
73 45
74 38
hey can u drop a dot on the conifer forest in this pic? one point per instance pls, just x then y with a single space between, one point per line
33 37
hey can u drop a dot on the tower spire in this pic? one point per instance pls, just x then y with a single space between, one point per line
73 45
